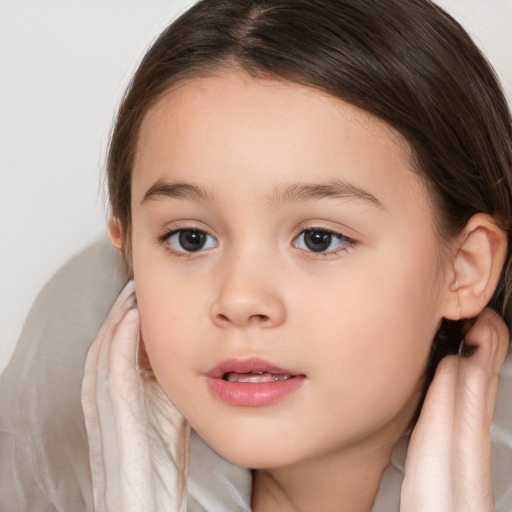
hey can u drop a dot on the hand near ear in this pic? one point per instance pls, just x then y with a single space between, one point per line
448 466
137 438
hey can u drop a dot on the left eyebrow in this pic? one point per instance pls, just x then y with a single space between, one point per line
313 191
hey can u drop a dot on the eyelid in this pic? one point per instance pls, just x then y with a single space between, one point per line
183 225
319 226
164 238
324 226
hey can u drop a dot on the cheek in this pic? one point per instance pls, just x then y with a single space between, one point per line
169 326
168 316
168 310
374 327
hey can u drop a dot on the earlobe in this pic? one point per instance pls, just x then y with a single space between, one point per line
116 234
477 264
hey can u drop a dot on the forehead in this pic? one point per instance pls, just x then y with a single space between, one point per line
230 127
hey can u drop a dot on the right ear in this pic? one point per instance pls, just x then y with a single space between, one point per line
116 233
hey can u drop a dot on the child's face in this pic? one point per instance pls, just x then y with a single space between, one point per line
307 247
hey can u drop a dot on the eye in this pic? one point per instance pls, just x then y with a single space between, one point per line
321 240
190 240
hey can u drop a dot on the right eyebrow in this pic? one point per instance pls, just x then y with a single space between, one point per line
177 190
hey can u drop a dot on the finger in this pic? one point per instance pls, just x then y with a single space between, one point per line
130 418
109 388
489 322
107 427
478 377
93 385
477 386
124 344
427 483
93 427
123 302
126 300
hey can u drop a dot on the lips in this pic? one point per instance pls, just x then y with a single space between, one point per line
245 366
252 382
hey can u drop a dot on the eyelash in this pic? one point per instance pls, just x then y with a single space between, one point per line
165 238
348 243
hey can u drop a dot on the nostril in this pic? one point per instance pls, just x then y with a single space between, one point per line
261 318
252 318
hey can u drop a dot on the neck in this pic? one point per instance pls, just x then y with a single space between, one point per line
347 480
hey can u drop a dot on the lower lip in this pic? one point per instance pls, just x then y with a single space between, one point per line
253 394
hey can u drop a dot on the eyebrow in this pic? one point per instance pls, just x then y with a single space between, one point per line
315 191
163 189
295 192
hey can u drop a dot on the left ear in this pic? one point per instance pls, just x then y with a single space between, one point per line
476 267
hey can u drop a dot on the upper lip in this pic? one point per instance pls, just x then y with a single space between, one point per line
251 365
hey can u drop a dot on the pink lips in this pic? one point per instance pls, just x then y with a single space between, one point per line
251 383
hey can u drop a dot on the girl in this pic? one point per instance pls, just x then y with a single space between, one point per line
313 200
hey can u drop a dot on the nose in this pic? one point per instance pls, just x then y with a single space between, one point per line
248 295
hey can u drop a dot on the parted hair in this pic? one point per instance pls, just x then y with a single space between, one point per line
405 61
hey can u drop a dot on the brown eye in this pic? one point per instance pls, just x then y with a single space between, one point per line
190 240
317 241
320 240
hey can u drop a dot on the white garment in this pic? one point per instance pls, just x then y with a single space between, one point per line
44 460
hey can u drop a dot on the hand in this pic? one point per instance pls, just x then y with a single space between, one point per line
137 439
448 466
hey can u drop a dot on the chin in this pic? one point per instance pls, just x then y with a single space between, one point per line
256 459
254 452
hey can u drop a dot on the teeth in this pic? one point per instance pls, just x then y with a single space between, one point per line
254 377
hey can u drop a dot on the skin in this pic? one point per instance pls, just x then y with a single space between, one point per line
448 461
449 457
357 320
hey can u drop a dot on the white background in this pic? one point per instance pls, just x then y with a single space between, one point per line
63 67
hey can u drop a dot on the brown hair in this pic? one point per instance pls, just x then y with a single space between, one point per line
404 61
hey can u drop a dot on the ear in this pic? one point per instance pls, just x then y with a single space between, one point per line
116 234
478 259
